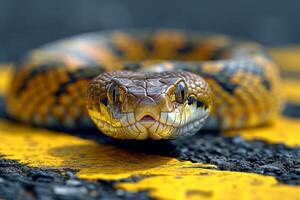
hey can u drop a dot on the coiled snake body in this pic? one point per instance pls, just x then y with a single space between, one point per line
146 84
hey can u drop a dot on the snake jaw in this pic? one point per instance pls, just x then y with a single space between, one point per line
170 125
193 125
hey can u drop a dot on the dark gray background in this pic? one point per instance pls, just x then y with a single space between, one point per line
28 23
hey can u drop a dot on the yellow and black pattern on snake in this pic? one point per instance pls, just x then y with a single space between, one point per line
146 84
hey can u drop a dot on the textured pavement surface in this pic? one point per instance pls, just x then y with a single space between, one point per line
260 163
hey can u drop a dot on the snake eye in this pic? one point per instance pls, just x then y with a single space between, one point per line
180 92
113 94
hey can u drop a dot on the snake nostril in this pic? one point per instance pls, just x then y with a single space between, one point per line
191 100
200 104
104 101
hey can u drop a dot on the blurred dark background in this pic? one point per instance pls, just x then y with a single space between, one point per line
28 23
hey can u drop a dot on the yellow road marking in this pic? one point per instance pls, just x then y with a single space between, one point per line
284 130
208 184
291 90
164 177
49 149
287 57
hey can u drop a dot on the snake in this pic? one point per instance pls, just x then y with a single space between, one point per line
146 84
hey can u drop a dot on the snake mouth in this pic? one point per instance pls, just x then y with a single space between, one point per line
147 118
147 121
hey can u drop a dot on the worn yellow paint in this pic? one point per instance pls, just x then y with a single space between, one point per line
287 57
284 130
48 149
291 90
6 73
164 177
209 184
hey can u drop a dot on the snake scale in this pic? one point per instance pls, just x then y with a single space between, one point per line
146 84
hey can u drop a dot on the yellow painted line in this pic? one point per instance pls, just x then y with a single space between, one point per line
214 185
6 73
44 148
292 90
164 177
287 57
284 130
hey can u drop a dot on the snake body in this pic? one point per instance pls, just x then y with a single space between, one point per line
146 84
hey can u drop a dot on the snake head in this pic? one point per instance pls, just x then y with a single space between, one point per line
142 105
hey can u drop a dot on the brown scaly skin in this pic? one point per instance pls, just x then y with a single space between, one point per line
50 87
